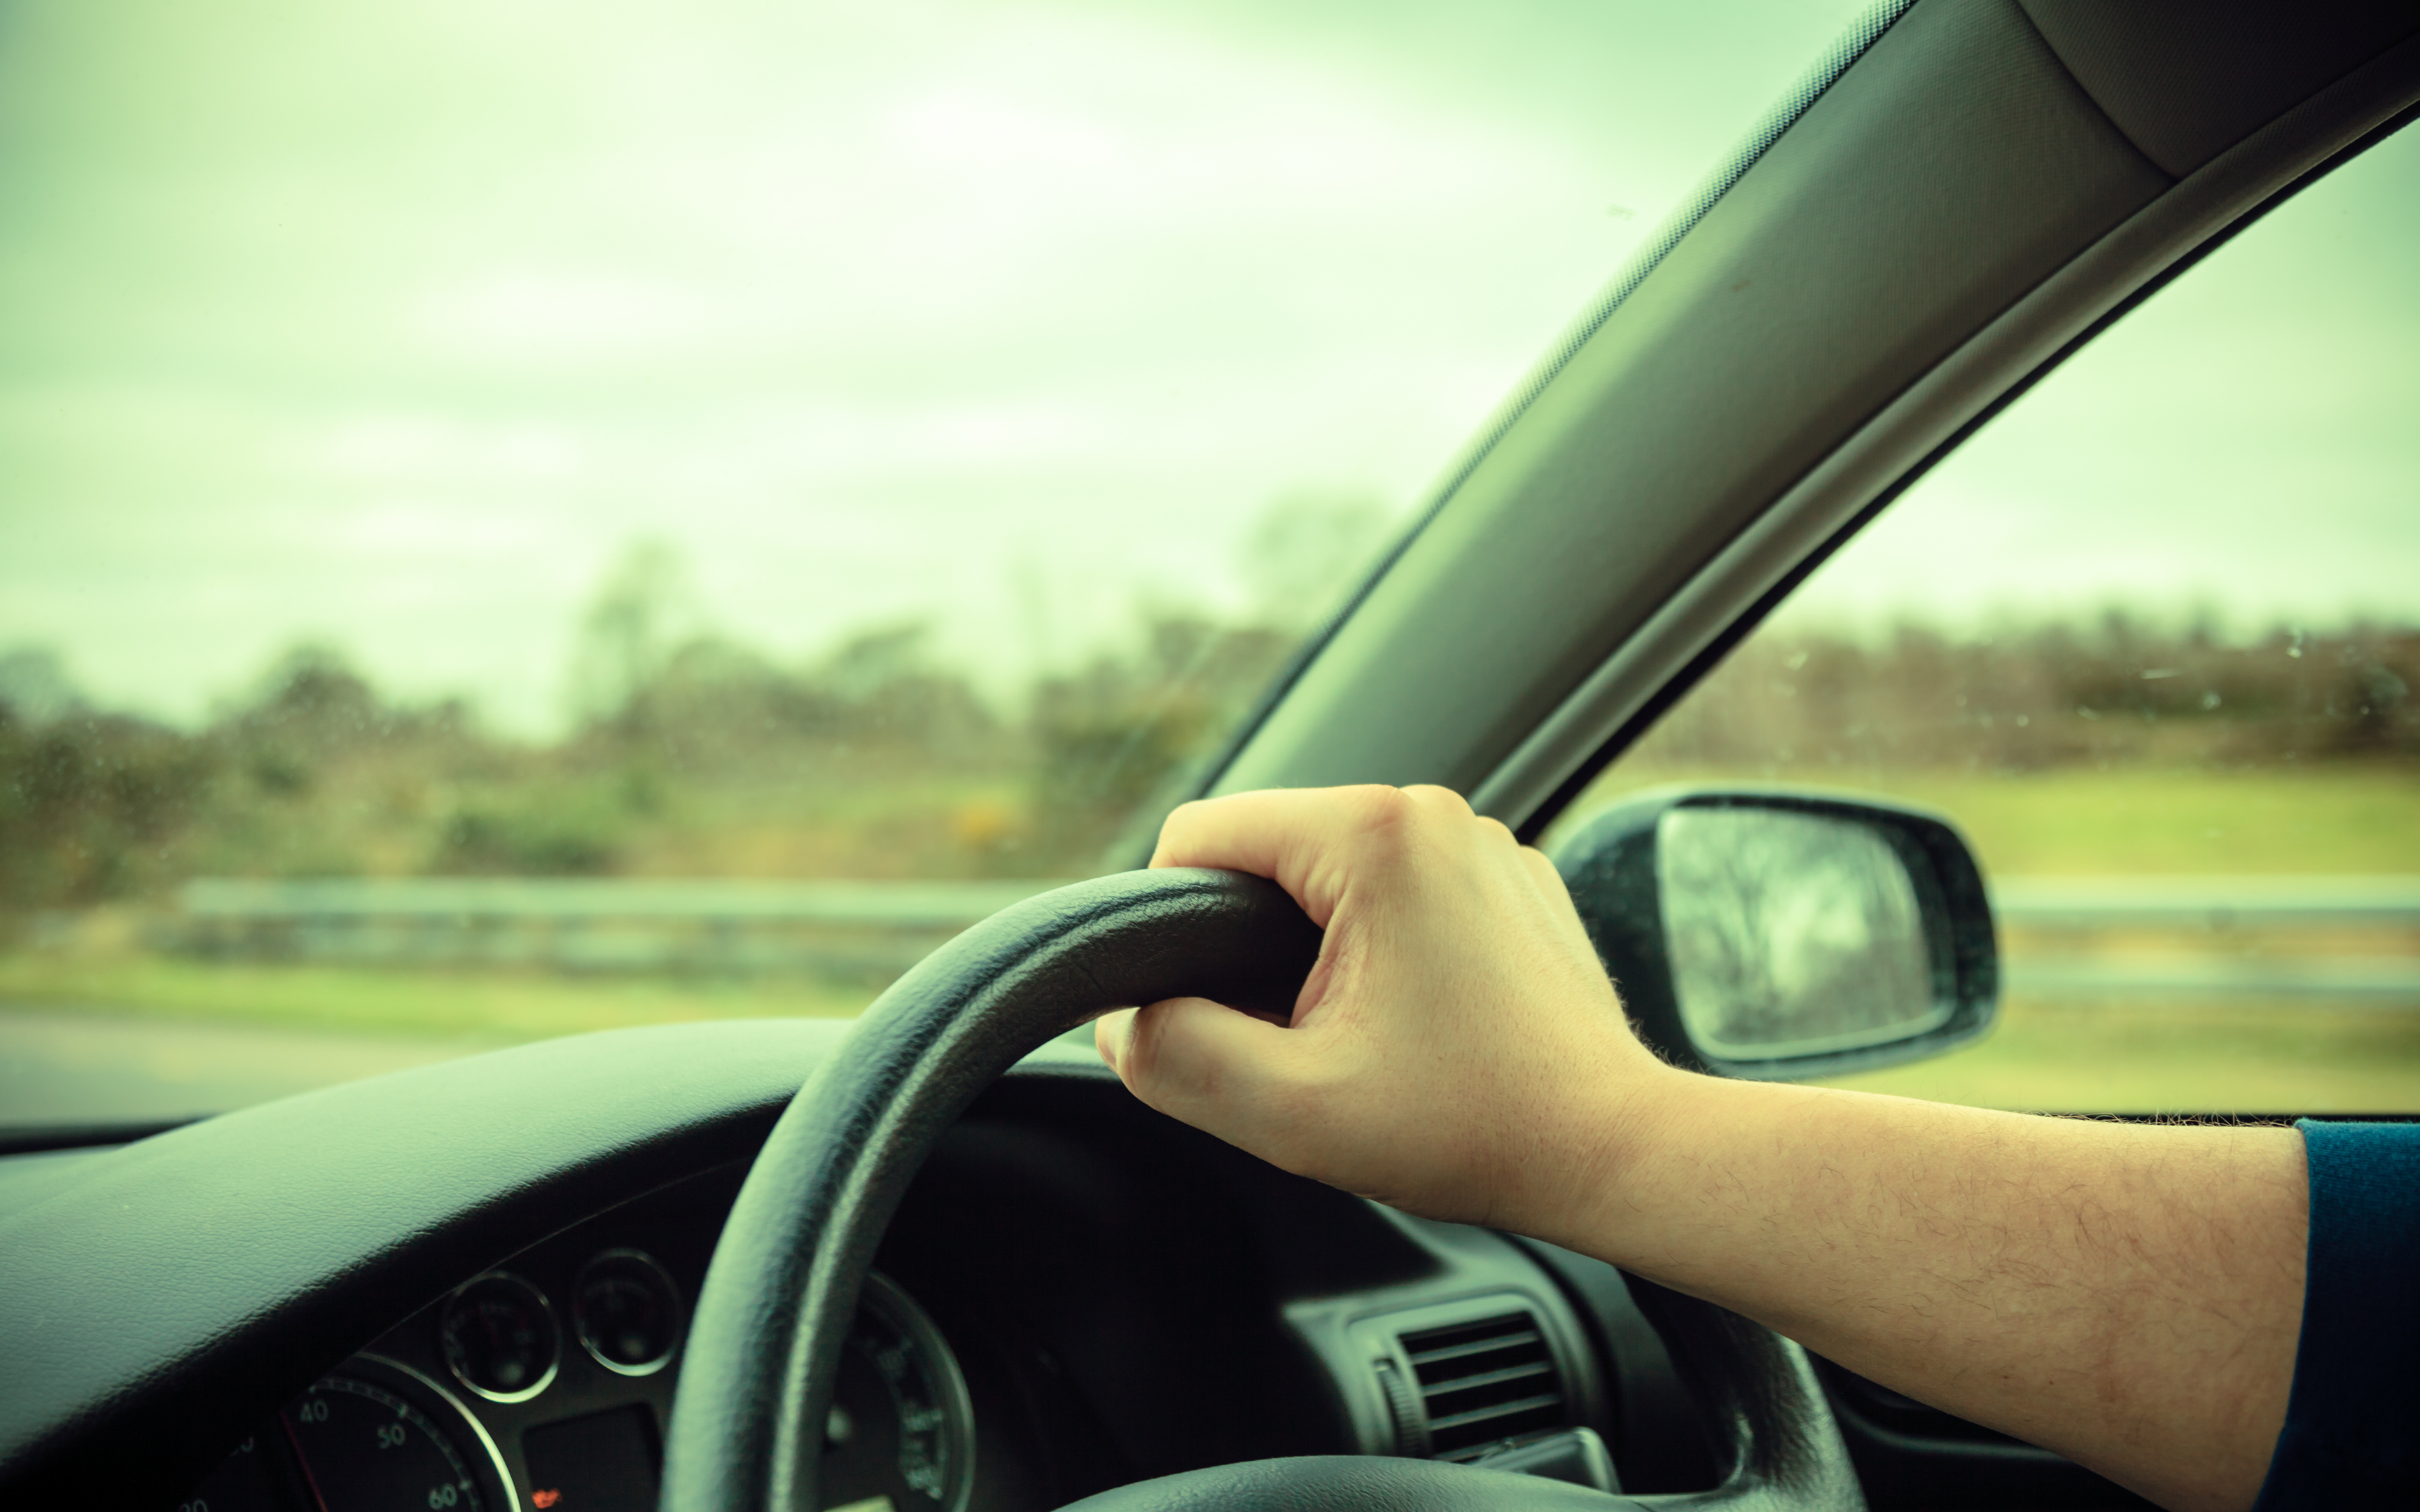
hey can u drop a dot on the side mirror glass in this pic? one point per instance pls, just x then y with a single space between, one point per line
1780 935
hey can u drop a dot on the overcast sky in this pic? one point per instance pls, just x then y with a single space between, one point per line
394 325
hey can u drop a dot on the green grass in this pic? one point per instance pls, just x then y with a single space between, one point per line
2336 820
2180 1058
493 1004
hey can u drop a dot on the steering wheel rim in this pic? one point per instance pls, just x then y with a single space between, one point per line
782 1291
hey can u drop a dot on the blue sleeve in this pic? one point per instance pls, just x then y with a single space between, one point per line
2352 1424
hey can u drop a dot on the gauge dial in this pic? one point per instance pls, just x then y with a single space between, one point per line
499 1338
900 1428
367 1448
375 1436
626 1312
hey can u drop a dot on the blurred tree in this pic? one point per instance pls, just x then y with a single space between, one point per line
2051 693
878 758
310 708
87 806
1116 738
540 829
627 634
871 661
33 682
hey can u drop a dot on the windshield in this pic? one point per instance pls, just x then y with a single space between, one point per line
530 518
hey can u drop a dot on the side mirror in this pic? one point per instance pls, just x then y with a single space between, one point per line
1780 935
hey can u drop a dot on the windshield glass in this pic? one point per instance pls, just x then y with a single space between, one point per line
529 517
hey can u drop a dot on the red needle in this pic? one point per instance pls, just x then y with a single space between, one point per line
302 1459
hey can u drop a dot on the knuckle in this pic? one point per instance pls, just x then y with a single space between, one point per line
1444 799
1181 818
1379 810
1375 798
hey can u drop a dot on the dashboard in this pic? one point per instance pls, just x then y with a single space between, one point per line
470 1284
1076 1293
547 1382
542 1382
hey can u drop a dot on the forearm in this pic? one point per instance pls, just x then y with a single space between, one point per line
2126 1295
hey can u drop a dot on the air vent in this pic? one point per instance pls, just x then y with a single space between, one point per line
1483 1382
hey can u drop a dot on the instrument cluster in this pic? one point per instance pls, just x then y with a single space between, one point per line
547 1384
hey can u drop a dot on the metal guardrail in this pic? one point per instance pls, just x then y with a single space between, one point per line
2240 923
2245 927
2033 902
2214 902
2357 983
713 925
909 905
587 923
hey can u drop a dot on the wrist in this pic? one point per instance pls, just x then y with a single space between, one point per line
1619 1139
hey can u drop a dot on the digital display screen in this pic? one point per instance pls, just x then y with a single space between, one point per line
603 1463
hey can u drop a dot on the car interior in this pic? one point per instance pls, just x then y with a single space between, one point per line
937 1258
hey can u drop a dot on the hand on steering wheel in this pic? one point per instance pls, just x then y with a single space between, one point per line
781 1292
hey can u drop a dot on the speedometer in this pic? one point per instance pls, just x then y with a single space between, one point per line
363 1446
900 1434
375 1436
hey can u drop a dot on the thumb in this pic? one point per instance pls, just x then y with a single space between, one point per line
1197 1060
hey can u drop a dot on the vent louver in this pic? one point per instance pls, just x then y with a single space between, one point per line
1483 1382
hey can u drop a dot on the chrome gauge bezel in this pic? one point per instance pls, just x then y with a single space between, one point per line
672 1296
445 1328
492 1460
891 1302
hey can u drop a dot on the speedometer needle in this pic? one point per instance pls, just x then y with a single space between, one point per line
309 1479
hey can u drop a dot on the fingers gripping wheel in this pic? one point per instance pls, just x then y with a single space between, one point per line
765 1345
763 1348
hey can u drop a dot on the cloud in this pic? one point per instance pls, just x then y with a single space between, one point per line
390 325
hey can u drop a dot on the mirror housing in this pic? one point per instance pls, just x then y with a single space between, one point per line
1778 934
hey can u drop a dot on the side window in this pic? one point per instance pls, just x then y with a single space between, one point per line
2152 639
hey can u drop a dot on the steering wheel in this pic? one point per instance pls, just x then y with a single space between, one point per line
779 1299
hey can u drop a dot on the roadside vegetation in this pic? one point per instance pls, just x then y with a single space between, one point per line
2063 748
